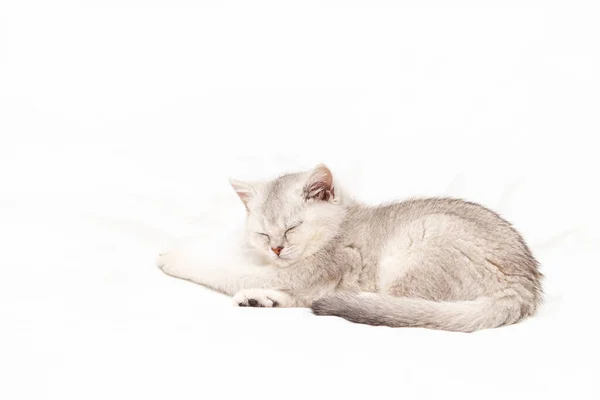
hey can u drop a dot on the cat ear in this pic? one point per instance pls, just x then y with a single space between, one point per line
243 189
320 184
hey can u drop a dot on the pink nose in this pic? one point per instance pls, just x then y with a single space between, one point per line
276 250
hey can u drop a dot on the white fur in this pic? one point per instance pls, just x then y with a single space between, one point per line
438 263
265 297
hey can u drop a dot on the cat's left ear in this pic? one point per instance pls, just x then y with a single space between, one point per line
243 189
320 184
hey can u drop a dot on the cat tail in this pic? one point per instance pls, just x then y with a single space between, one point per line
502 308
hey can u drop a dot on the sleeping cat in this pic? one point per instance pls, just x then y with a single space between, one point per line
435 263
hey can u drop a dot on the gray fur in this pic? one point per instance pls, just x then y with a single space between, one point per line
436 263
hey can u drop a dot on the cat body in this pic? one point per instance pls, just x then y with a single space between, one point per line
437 263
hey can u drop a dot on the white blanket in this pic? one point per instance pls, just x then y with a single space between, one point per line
86 311
121 121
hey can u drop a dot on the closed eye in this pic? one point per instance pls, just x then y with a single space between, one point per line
292 228
263 234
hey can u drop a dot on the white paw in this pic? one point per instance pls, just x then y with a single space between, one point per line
261 298
173 264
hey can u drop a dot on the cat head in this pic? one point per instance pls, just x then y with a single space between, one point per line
293 216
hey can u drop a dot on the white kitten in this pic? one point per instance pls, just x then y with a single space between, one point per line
436 263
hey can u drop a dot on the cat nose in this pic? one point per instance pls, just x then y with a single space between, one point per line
276 250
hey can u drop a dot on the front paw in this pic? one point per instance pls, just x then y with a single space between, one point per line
174 264
261 298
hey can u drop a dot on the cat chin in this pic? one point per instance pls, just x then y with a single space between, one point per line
278 262
283 262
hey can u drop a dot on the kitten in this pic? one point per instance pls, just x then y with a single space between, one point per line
436 263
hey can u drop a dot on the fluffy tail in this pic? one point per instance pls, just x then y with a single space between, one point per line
502 308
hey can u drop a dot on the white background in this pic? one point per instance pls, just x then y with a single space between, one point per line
120 122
